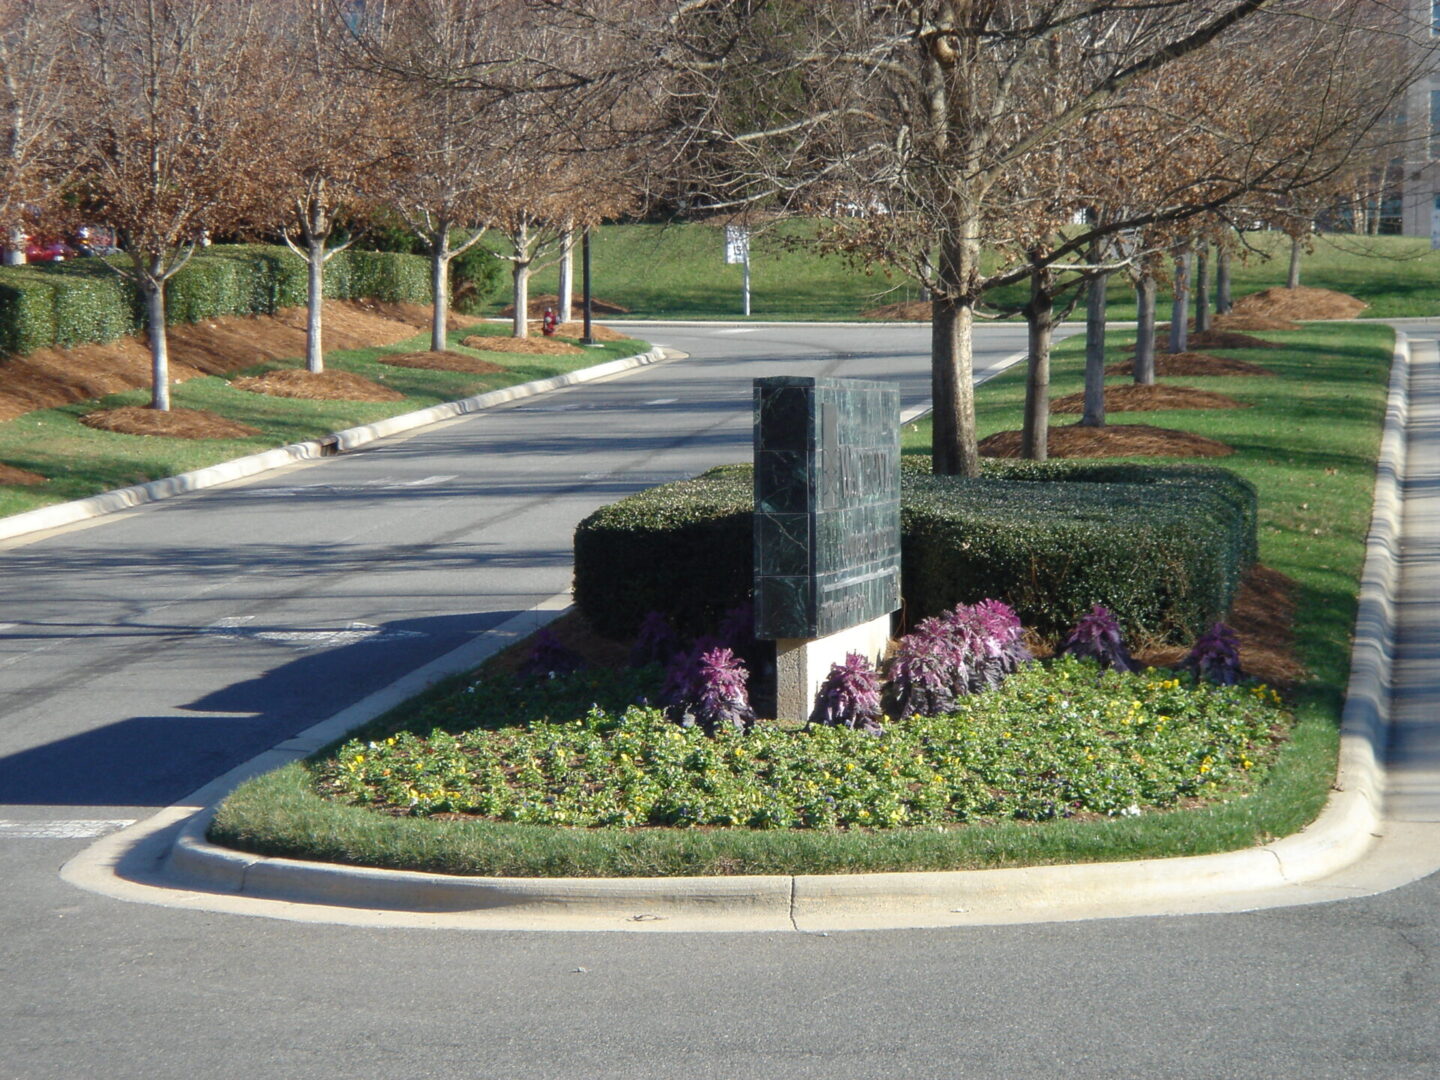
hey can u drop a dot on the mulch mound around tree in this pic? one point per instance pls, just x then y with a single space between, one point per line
532 346
1214 339
9 474
1284 306
904 311
448 360
537 305
1113 440
577 330
174 424
317 386
416 316
1192 363
1151 398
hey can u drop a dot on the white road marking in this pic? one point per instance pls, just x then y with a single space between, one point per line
340 489
7 626
738 330
663 401
357 633
61 830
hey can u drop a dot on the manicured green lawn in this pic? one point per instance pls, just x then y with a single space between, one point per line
678 271
1309 442
79 461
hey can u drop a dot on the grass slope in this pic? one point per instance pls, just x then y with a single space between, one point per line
79 461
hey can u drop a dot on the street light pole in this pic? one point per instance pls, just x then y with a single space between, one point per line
587 339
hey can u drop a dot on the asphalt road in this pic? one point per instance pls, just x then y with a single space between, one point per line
151 651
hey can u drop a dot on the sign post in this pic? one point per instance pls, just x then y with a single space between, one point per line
827 526
737 250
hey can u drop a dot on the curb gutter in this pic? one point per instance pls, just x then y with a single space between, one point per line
1285 871
110 502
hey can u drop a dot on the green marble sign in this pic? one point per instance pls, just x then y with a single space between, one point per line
827 505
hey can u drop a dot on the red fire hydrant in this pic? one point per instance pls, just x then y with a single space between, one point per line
548 324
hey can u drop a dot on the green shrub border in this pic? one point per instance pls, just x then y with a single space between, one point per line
88 301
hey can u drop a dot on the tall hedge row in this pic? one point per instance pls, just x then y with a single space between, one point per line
87 301
1164 547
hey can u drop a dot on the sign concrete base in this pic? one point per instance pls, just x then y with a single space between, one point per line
801 664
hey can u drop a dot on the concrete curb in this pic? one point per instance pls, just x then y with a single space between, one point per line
110 502
1344 831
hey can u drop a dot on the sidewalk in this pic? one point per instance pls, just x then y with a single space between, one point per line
1380 830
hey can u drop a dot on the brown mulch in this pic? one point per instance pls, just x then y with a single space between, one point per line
10 474
904 311
446 360
1151 398
1263 618
1213 339
1113 440
532 346
537 305
174 424
577 330
1192 363
317 386
1287 305
54 376
416 316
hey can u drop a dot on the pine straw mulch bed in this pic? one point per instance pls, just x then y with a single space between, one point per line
1280 308
537 305
1113 440
531 346
1192 363
444 360
54 376
1263 616
904 311
10 474
174 424
1150 398
317 386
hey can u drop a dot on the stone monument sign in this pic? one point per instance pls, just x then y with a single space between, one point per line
827 525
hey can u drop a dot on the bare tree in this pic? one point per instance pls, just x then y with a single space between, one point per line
33 104
173 134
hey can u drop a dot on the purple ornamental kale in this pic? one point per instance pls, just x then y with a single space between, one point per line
927 671
656 642
548 658
849 696
682 676
990 637
1097 636
722 699
1216 656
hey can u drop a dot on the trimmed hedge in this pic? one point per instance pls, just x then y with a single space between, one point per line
87 301
1163 546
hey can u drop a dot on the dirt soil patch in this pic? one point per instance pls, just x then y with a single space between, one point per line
1113 440
317 386
1192 363
174 424
446 360
904 311
53 376
9 474
537 305
532 346
1152 398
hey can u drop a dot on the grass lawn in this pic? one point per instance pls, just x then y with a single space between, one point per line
677 271
1309 442
79 461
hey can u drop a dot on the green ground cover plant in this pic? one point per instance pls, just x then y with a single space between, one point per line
79 461
1309 444
676 271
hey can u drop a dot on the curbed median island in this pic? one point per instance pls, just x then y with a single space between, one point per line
591 773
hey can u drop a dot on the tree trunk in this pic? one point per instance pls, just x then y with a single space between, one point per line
1145 330
1202 288
1292 279
567 276
440 288
152 284
1039 318
1094 414
952 357
520 275
1180 306
1223 302
315 305
15 247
